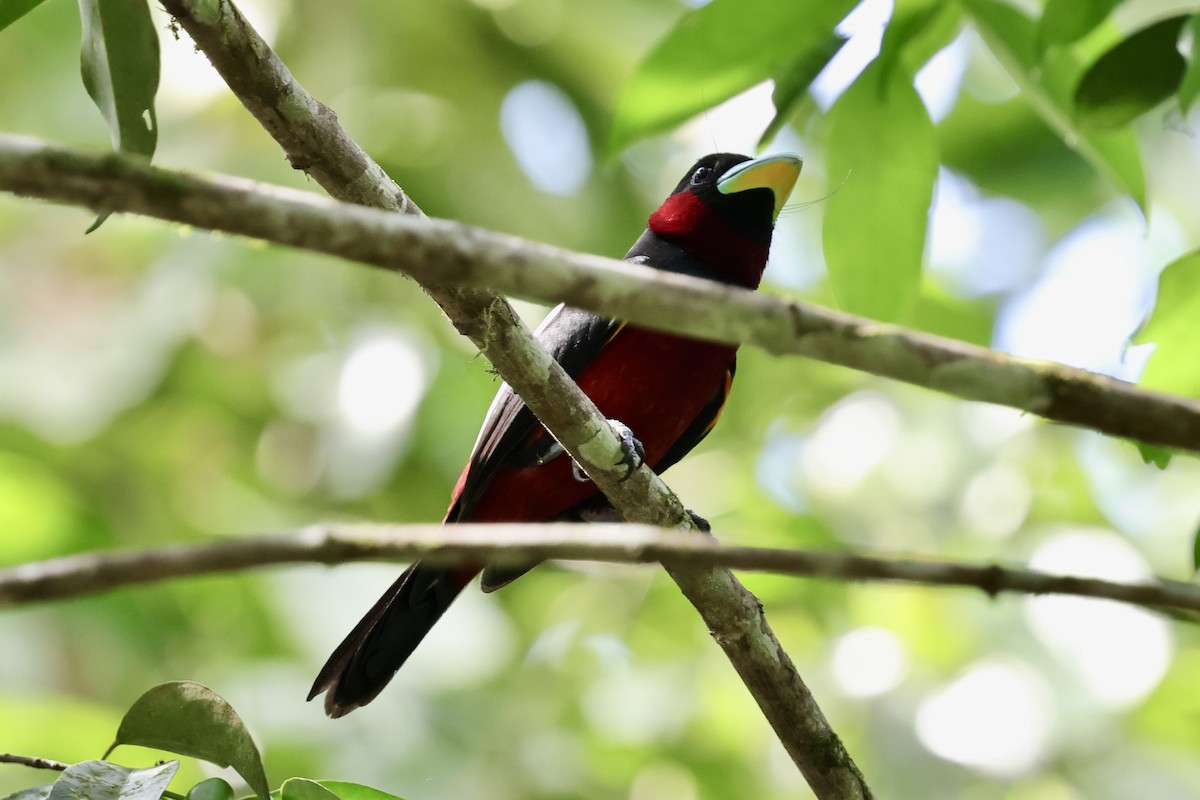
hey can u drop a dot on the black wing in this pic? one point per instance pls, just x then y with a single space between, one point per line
573 337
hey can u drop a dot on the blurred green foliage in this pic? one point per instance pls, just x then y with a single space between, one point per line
161 385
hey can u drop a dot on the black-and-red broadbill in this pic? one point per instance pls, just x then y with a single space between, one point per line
667 390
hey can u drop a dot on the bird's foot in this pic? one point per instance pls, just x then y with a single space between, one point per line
633 455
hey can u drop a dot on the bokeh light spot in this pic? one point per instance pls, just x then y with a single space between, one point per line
547 136
996 502
1094 292
1119 652
664 780
382 382
640 705
995 717
868 662
849 441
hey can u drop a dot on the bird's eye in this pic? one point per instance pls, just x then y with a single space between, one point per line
701 175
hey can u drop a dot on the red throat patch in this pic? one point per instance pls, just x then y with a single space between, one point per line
686 221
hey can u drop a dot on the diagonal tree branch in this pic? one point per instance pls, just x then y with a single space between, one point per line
92 573
449 251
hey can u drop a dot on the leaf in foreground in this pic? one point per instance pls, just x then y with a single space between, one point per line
1155 454
1131 78
1174 329
32 793
356 791
13 10
120 70
211 789
1189 86
101 780
1196 551
714 53
304 789
192 720
1048 84
792 82
882 163
1066 21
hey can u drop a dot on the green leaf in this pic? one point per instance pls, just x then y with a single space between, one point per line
187 718
304 789
32 793
356 791
1154 454
1174 328
937 27
1066 21
1196 551
1189 87
13 10
715 52
211 789
1131 78
791 83
883 156
120 70
1048 85
916 31
100 780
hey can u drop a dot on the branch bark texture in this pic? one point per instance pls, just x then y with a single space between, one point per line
32 761
92 573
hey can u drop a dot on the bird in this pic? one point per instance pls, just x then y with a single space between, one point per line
662 392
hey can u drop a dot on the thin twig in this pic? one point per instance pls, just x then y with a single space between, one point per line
91 573
32 761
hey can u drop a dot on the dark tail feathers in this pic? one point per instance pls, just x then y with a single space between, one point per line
381 642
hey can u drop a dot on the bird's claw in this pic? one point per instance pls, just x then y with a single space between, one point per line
633 454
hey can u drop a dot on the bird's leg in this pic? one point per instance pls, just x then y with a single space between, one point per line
632 452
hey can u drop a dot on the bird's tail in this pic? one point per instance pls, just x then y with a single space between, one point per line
381 642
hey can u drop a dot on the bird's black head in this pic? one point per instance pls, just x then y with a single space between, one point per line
724 210
749 212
